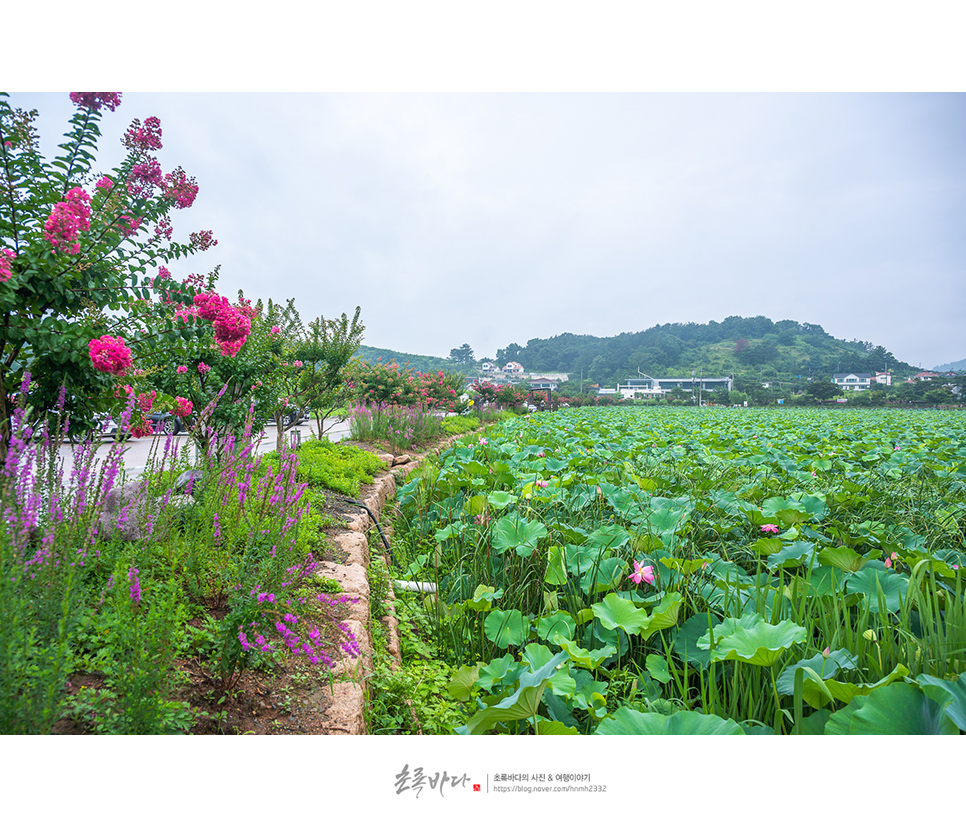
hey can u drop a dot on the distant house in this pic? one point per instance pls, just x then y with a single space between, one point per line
604 392
923 375
853 382
488 368
513 368
647 386
883 377
540 383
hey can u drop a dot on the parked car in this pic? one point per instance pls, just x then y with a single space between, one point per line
165 423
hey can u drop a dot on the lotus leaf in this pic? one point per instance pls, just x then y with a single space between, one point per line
505 628
896 709
630 722
751 639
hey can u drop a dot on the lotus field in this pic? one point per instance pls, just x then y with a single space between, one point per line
698 571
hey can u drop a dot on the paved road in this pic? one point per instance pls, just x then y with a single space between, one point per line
137 452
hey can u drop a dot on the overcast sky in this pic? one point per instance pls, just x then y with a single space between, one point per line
496 218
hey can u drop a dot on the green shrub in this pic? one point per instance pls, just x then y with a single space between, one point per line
459 425
339 467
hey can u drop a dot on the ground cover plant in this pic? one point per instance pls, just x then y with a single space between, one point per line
697 571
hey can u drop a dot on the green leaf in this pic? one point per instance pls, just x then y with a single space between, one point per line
752 639
584 658
522 704
462 683
615 612
897 709
879 584
505 628
500 500
658 668
556 626
665 614
630 722
950 694
513 532
844 558
686 641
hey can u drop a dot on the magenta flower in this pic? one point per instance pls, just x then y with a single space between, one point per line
146 138
203 368
769 528
67 220
132 576
6 259
105 183
182 369
110 355
95 101
642 573
183 407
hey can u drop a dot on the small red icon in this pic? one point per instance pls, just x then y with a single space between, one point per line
476 787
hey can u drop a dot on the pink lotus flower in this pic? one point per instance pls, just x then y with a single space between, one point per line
543 484
769 528
642 573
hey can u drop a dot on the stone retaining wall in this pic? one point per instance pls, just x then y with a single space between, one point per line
346 715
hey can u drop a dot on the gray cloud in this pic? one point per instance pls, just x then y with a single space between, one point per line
493 218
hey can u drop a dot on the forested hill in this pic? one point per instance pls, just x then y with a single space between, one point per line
415 361
733 346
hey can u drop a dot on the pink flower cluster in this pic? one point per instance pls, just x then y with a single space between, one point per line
95 101
147 138
183 407
128 225
110 355
143 177
6 259
180 188
68 219
105 183
202 240
232 324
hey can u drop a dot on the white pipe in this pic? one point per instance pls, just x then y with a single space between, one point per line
422 587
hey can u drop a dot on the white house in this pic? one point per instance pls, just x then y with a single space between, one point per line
540 383
647 386
513 368
883 377
852 382
488 368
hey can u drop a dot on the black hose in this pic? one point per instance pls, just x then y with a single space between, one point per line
375 521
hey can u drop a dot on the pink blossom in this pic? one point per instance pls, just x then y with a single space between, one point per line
6 259
182 369
202 240
297 363
888 562
164 273
769 528
275 330
543 484
203 368
105 183
146 138
95 101
642 573
128 225
67 220
180 188
110 355
143 176
183 407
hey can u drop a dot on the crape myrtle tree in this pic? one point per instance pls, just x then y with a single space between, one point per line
79 256
309 364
